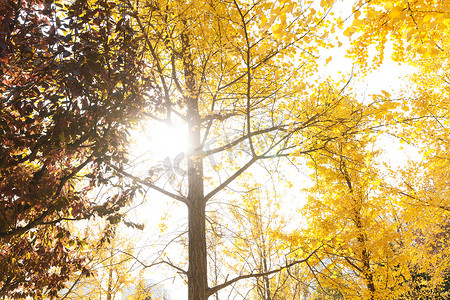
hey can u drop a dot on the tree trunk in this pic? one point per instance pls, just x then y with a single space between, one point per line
109 288
266 278
362 237
110 275
368 273
197 272
365 256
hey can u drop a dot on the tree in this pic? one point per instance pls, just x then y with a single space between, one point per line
235 74
349 203
354 218
217 71
71 82
148 291
112 263
419 32
258 245
423 184
143 292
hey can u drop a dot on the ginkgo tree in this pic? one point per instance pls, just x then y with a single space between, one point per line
257 244
419 33
355 219
381 228
236 74
423 184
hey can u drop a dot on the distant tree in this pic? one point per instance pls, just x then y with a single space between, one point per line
112 264
71 81
257 246
145 290
142 292
344 209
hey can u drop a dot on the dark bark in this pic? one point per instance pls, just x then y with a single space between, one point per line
109 291
362 237
197 272
365 257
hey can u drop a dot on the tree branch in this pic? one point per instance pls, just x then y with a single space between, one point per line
240 140
150 185
153 264
230 179
216 288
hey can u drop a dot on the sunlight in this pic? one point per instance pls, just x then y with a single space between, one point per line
155 148
157 152
156 142
167 140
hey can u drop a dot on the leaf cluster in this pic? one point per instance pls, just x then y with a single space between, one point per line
72 80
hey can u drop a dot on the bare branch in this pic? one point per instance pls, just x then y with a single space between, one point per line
216 288
150 185
230 179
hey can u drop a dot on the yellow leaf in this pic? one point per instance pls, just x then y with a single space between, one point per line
264 20
429 151
371 14
325 3
427 18
389 6
277 30
421 50
386 94
290 7
283 19
435 51
328 60
340 23
357 23
261 50
349 31
396 12
389 118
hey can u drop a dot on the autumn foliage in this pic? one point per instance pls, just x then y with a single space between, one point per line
71 82
245 79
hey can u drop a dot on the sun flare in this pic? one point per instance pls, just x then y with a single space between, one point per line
155 142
